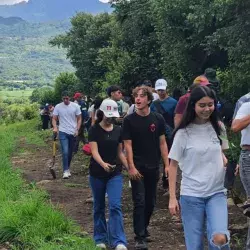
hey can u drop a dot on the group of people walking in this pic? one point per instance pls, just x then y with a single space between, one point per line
157 131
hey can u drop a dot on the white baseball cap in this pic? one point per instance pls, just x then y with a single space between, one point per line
109 108
161 84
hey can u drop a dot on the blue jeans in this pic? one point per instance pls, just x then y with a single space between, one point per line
195 211
67 145
113 233
245 179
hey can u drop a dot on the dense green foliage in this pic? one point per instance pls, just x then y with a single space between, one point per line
28 220
165 38
26 58
14 112
64 82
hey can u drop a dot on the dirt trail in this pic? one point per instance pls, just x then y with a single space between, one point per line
70 195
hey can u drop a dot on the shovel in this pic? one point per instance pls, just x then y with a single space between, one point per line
51 168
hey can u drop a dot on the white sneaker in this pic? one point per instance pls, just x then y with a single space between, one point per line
101 245
65 175
120 247
69 174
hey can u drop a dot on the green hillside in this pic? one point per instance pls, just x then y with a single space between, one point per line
26 58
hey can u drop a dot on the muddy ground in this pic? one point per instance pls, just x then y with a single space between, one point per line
71 195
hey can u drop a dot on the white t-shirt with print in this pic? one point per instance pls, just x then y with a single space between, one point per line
198 151
245 133
67 117
131 109
155 96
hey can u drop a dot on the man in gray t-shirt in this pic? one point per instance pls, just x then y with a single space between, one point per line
243 99
242 123
70 119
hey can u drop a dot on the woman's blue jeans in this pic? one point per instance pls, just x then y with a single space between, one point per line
111 233
196 212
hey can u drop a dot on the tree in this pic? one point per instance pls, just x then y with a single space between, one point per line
65 82
133 54
43 96
87 36
173 39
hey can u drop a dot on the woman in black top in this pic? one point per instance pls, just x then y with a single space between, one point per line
105 177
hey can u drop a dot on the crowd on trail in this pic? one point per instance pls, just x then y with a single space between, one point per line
150 134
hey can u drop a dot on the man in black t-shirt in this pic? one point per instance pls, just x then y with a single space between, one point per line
144 139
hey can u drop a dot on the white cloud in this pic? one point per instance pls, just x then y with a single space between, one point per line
9 2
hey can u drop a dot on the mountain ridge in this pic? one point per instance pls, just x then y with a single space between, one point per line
10 20
48 10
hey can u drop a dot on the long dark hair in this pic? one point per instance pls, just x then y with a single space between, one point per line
189 114
99 116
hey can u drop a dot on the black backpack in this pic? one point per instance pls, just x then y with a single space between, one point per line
167 117
168 131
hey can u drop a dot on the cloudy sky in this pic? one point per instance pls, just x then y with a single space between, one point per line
2 2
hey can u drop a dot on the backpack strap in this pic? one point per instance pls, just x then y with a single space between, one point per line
159 107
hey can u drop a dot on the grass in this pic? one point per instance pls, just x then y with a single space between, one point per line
73 185
16 94
27 219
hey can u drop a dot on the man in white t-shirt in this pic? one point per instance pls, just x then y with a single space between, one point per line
70 119
242 123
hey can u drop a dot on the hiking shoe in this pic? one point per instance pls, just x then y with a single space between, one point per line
141 245
90 200
120 247
101 245
65 175
69 174
147 236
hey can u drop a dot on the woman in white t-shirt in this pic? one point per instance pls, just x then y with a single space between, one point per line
197 148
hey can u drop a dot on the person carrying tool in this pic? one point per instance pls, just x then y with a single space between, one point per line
70 120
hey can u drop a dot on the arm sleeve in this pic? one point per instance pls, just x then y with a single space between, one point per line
237 106
91 108
126 130
180 107
92 134
55 112
78 110
243 111
178 146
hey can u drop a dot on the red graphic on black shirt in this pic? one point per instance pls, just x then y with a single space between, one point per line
152 127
